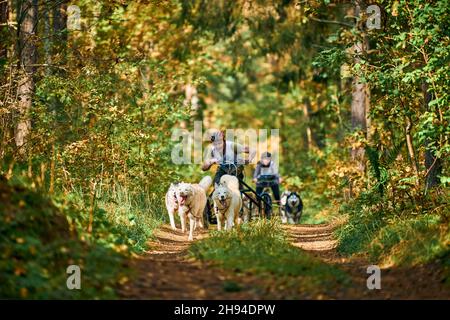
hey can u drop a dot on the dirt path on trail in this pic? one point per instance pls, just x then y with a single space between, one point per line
423 282
167 272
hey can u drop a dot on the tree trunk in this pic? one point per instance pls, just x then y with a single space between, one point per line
360 104
433 165
409 143
4 14
27 53
47 38
4 123
59 39
58 50
59 28
360 97
306 111
60 20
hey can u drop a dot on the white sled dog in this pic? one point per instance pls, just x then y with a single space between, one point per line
192 202
227 201
172 203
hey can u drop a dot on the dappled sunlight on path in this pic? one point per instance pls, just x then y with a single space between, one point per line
311 237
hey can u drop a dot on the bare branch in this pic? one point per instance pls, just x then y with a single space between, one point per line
345 24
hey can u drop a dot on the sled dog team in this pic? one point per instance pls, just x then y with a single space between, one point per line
190 199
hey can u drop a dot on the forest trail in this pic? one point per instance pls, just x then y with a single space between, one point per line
168 272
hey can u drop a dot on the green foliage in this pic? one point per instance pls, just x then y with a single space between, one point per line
391 236
134 216
122 223
39 242
362 224
391 218
416 56
380 164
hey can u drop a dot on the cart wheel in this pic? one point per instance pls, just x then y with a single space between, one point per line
211 216
267 204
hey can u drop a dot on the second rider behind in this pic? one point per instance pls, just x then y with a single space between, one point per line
264 168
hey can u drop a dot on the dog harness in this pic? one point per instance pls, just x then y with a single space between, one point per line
223 209
189 208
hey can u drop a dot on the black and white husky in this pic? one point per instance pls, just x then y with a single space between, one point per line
291 207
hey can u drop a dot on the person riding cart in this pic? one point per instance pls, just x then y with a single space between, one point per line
266 175
228 155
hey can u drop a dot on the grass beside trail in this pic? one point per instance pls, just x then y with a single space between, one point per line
262 248
395 238
41 235
132 217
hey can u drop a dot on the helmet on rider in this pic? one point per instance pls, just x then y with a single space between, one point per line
266 158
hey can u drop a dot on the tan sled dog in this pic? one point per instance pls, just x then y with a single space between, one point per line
192 202
227 201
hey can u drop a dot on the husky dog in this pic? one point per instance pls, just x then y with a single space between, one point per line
192 202
227 201
291 207
172 203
